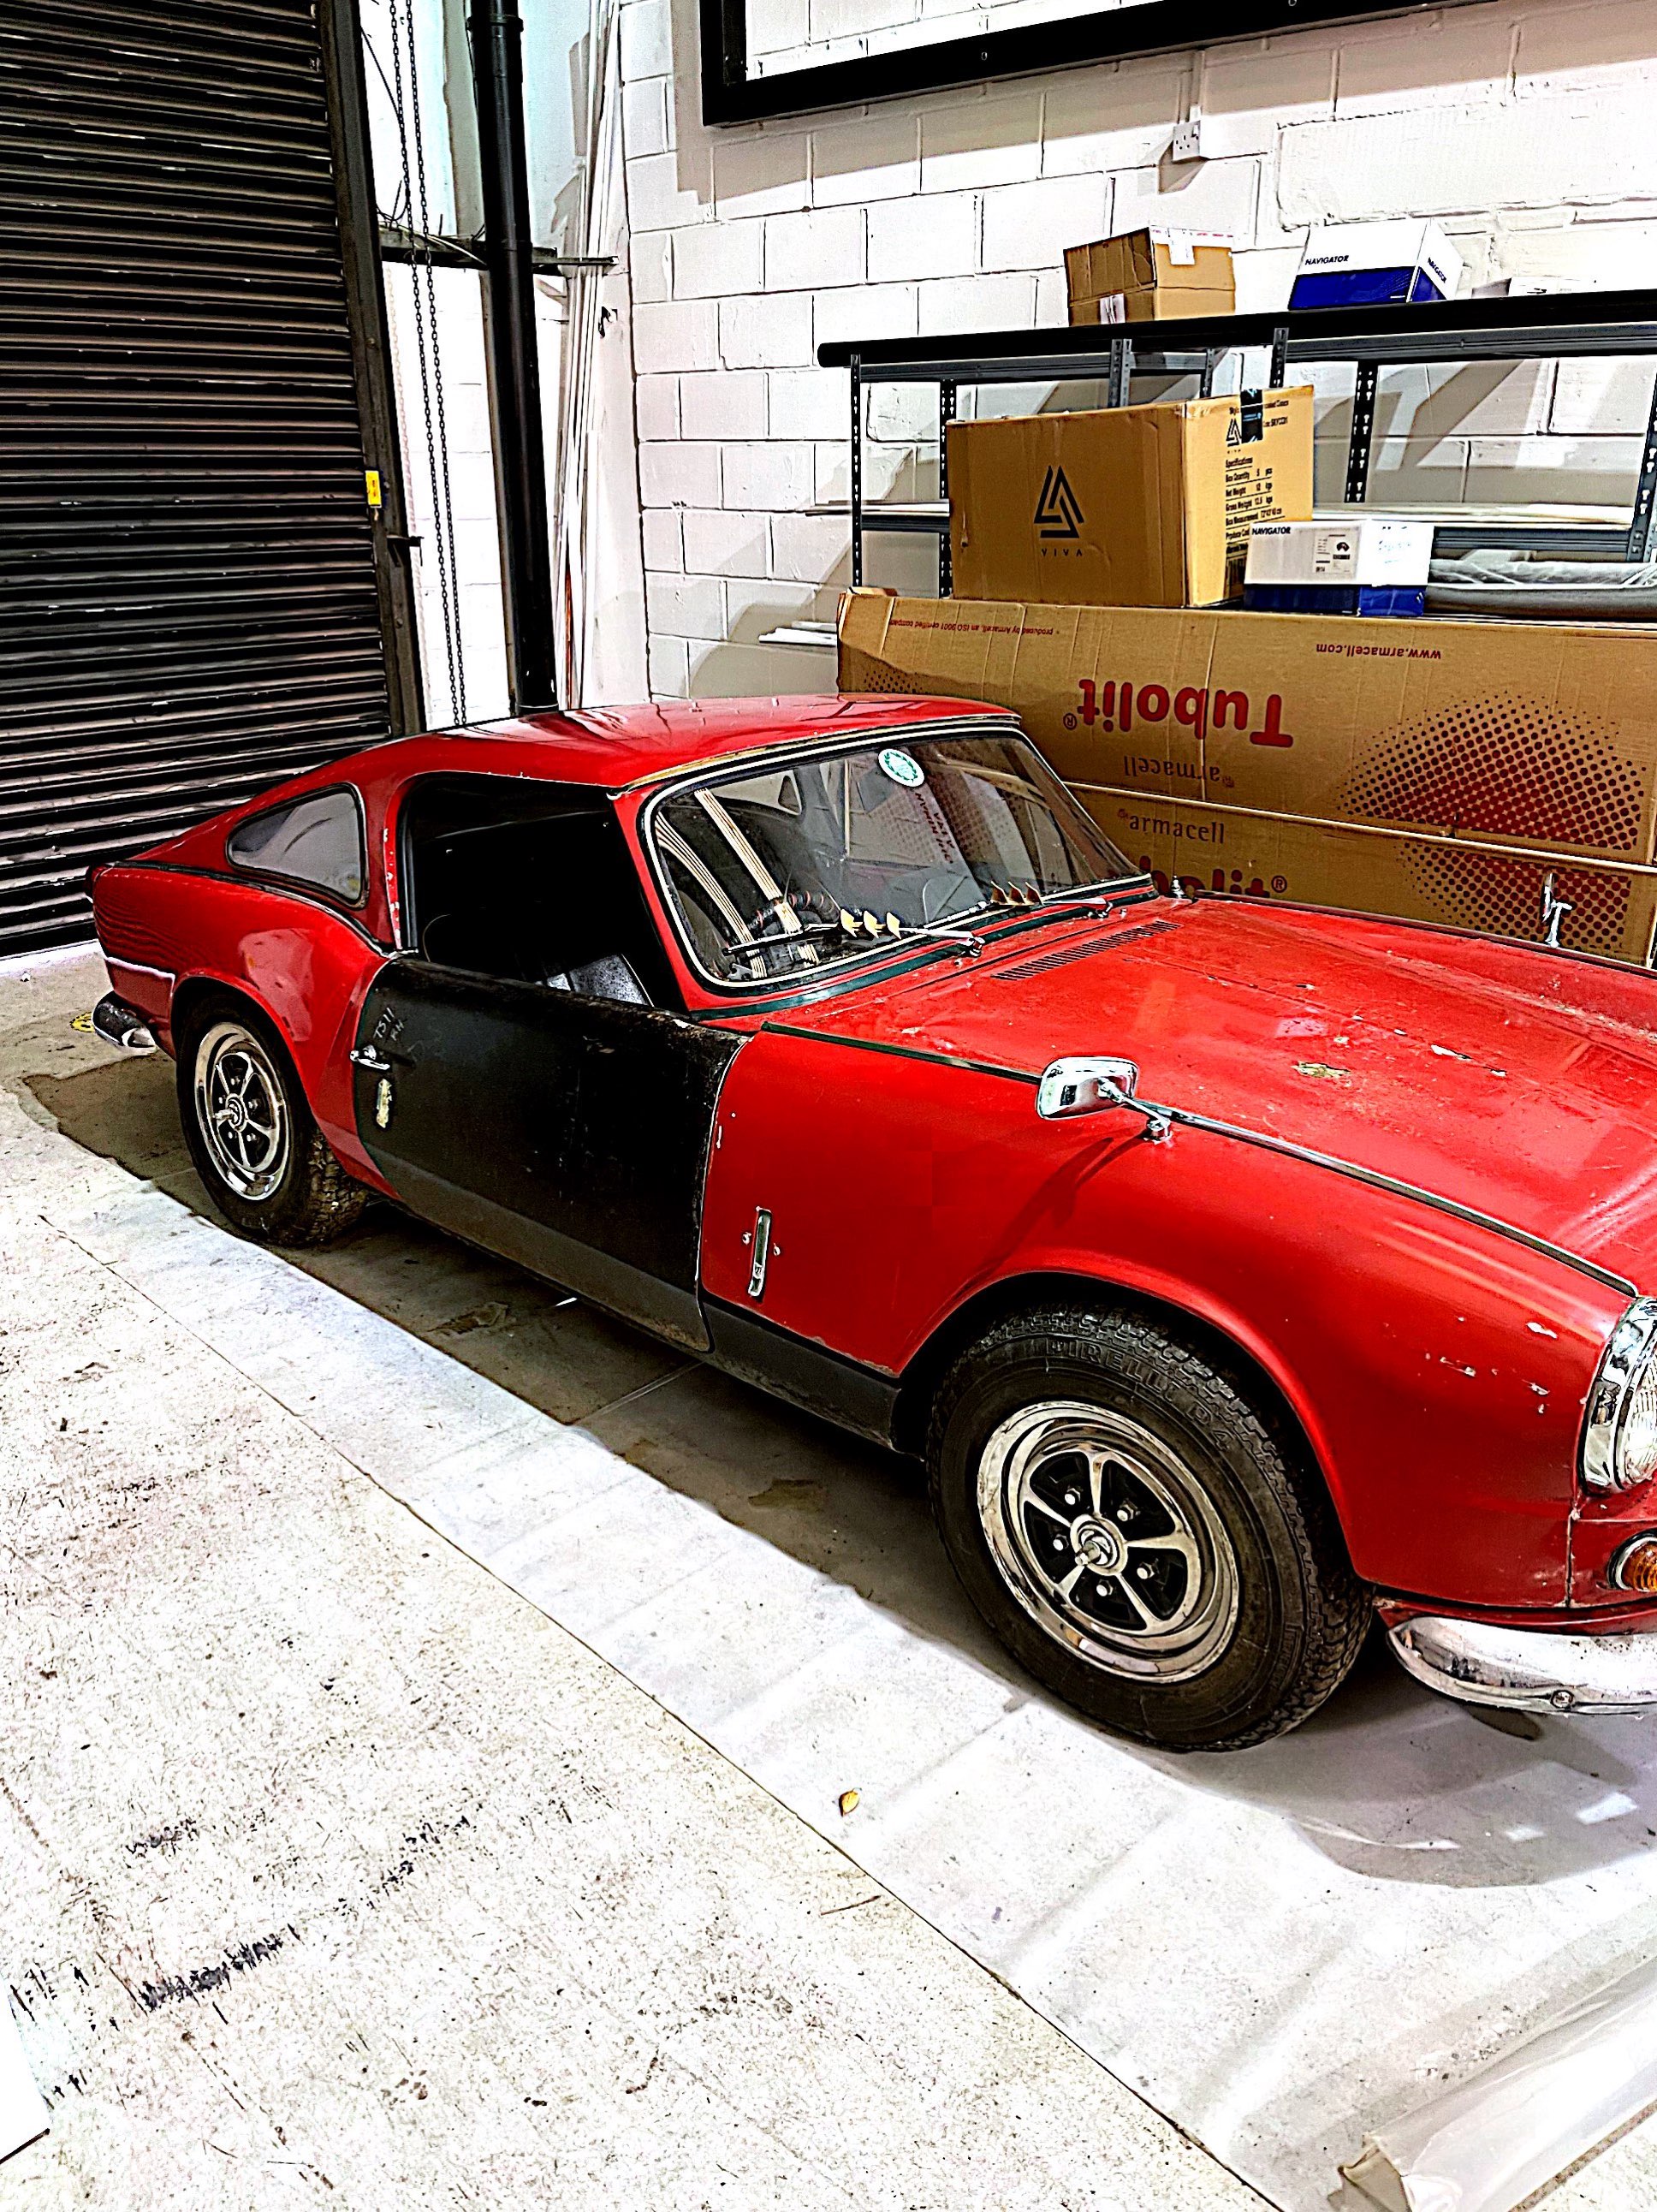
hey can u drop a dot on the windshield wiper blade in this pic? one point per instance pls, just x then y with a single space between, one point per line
944 935
857 932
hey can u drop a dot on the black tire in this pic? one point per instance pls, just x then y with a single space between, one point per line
290 1190
1200 1598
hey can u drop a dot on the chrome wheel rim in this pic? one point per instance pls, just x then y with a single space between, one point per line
241 1111
1109 1541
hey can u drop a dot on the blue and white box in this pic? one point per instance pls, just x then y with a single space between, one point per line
1365 265
1371 564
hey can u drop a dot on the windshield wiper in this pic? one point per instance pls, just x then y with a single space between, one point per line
944 935
857 931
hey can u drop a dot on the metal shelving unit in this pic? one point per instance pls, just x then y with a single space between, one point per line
1550 326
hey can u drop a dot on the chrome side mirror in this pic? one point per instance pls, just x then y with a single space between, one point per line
1084 1086
1070 1087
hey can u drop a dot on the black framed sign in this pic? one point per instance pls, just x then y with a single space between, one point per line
764 58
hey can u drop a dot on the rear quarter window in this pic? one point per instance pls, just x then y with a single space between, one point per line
317 841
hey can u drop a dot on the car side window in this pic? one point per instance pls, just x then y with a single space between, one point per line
317 840
528 882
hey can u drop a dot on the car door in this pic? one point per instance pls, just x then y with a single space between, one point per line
562 1128
566 1133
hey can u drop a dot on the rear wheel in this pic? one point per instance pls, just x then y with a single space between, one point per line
251 1132
1140 1534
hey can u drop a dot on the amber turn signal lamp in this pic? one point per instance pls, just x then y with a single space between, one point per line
1635 1567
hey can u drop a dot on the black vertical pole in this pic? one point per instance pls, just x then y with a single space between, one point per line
497 30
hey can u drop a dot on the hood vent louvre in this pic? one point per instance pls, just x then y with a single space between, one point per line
1047 962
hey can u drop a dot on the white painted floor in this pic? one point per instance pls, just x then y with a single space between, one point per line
335 1871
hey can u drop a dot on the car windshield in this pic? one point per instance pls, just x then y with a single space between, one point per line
792 867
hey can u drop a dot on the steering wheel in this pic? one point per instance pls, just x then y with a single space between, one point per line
765 925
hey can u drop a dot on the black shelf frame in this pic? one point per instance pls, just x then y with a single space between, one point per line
1607 325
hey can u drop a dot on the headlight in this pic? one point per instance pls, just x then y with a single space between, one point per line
1619 1438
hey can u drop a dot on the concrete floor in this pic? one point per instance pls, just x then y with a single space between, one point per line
335 1871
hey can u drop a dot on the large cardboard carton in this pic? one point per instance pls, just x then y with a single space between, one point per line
1149 276
1125 506
1441 770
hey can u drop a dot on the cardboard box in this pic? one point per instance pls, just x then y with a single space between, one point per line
1424 879
1371 564
1125 506
1363 265
1149 276
1438 769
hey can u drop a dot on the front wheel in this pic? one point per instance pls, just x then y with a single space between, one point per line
267 1166
1138 1535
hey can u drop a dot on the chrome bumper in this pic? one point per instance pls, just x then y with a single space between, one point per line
122 1025
1530 1669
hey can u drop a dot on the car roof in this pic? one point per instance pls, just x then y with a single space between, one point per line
615 747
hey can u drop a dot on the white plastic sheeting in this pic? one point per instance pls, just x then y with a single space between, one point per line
22 2109
1279 1950
599 550
1490 2144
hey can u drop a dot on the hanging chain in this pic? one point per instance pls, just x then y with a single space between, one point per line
430 354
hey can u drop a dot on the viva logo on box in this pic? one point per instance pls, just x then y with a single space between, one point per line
1058 510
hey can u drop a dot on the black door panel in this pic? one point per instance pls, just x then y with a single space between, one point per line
568 1133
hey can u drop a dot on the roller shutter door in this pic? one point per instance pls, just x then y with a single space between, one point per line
189 608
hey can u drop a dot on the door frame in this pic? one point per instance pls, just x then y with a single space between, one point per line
340 28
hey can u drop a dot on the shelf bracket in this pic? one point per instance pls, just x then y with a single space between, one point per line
1642 524
1363 431
945 547
856 367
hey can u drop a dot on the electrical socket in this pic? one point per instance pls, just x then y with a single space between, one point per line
1189 138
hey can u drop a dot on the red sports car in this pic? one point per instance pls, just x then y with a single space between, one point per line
1238 1269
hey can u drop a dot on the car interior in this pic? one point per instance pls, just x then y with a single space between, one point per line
529 884
763 864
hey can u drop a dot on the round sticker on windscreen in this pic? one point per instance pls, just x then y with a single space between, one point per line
902 768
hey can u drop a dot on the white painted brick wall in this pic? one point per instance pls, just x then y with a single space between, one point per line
827 246
1525 125
724 404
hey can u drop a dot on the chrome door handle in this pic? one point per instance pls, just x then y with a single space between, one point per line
760 1241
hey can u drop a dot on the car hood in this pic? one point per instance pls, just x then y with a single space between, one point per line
1515 1081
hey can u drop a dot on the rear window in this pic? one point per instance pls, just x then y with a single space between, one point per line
317 840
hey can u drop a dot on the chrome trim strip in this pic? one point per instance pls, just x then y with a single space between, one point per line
901 1052
1628 1351
141 967
1377 1181
1530 1669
